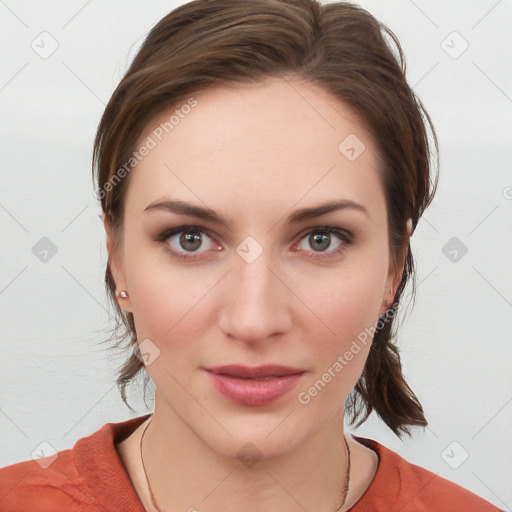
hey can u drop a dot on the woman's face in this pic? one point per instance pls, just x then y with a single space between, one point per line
268 286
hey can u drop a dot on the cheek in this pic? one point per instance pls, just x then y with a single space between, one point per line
164 296
340 347
346 311
166 309
345 305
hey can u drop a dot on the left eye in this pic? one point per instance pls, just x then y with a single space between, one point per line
320 239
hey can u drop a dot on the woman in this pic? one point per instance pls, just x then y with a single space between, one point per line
261 169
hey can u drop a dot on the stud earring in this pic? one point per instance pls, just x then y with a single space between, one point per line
123 294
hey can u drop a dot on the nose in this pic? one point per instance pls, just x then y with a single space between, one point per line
257 302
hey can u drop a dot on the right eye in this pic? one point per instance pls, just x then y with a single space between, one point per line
184 242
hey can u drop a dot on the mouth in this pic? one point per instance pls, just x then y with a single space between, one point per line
265 372
254 386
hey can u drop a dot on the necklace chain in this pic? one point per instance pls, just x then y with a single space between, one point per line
345 486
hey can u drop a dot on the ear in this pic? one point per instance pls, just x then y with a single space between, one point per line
395 272
115 258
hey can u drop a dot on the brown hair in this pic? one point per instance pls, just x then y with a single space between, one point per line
338 46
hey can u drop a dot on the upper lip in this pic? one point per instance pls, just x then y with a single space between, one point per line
246 372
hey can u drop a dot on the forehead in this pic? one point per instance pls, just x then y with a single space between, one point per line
252 146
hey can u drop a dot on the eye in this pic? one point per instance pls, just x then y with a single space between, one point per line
185 242
320 239
189 242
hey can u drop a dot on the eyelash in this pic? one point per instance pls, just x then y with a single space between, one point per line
345 237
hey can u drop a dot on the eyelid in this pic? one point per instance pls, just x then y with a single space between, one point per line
168 233
345 236
340 232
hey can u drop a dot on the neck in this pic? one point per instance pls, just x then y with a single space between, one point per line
185 473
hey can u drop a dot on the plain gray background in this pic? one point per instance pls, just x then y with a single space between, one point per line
58 379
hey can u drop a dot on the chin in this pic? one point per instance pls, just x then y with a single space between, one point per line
254 438
250 449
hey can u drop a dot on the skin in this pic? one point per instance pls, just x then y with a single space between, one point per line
254 153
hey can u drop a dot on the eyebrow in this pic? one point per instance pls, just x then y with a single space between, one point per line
207 214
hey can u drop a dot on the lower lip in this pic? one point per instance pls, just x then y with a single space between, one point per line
254 392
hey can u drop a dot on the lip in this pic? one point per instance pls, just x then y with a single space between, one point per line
246 390
246 372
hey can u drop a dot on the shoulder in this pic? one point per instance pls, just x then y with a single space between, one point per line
43 484
88 478
400 485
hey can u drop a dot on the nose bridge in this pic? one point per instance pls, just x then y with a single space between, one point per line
255 306
255 280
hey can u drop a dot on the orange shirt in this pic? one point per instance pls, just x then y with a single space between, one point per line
90 477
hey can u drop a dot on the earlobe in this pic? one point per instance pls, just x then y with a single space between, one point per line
387 301
116 267
409 228
392 284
